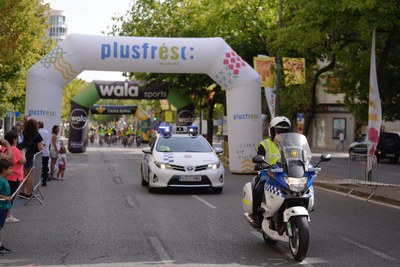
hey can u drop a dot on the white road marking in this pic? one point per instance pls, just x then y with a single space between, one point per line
130 201
165 258
117 180
204 202
371 250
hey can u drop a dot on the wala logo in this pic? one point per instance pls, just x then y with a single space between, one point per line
119 91
185 118
78 119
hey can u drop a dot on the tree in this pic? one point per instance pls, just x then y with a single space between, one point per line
315 30
69 91
22 28
239 23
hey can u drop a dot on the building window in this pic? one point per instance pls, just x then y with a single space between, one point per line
57 32
57 20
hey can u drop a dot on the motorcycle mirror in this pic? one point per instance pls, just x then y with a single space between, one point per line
324 157
259 159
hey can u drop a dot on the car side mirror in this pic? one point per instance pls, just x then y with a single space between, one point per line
146 150
218 150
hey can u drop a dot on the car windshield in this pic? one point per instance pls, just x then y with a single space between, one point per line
183 144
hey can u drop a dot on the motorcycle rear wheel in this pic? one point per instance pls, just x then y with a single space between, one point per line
300 239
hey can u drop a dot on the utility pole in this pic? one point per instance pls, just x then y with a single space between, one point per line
278 67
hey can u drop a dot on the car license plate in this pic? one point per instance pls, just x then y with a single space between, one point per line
390 155
191 178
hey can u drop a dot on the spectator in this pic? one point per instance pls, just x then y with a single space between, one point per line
17 176
33 143
18 128
5 197
54 148
6 144
45 152
62 162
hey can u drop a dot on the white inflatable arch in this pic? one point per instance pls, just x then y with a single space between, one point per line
211 56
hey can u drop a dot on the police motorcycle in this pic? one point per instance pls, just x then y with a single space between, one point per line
288 194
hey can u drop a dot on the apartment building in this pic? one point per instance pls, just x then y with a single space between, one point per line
58 29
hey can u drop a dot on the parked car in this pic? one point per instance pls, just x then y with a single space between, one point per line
388 146
183 159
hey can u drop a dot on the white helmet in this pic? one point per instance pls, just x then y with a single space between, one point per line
280 122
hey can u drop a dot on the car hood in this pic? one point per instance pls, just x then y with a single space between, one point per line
184 158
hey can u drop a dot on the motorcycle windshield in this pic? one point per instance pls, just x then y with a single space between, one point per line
295 153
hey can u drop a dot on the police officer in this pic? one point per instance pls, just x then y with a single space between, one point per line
270 151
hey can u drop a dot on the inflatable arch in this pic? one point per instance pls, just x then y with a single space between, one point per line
82 102
211 56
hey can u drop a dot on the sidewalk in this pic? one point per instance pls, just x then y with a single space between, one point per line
381 192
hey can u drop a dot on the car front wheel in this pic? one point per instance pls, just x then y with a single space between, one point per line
144 182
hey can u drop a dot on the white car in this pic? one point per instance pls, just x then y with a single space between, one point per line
182 160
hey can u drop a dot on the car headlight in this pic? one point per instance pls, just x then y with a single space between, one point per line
214 166
162 165
296 184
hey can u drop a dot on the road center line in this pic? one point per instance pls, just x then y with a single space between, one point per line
165 258
204 202
371 250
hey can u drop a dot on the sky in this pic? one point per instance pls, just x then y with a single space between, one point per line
92 17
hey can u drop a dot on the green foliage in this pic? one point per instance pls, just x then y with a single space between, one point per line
22 28
238 22
340 32
69 91
321 31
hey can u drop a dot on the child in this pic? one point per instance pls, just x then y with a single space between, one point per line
5 196
17 176
62 162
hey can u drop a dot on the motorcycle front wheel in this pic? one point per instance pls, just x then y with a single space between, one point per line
299 241
268 240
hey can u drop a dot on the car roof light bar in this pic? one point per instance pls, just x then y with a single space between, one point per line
193 130
166 131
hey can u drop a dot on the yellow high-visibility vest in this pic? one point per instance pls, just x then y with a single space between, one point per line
272 151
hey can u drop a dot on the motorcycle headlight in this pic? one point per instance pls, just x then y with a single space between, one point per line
162 165
214 166
296 184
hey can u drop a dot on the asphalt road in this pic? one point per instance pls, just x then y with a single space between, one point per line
101 215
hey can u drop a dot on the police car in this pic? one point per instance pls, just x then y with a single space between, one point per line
181 159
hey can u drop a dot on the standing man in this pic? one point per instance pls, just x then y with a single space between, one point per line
45 152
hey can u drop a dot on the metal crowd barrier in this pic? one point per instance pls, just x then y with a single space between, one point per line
36 178
363 172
